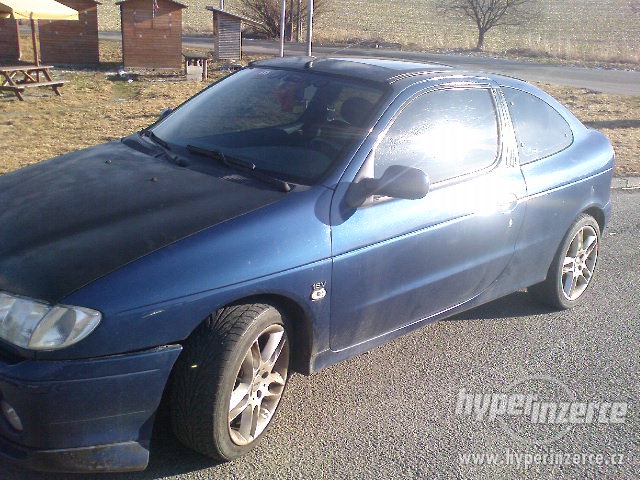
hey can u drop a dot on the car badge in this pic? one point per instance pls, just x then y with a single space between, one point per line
318 292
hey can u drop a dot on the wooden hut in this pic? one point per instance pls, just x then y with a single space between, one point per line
151 33
9 40
65 41
227 29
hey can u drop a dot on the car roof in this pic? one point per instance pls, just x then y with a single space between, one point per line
371 69
397 73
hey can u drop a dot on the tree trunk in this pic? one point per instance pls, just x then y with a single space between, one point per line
299 17
480 43
290 36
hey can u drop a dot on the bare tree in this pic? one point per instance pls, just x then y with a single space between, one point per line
489 14
268 12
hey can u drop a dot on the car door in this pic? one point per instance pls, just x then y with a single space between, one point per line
396 262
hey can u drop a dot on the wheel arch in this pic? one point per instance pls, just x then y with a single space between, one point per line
298 323
296 320
593 211
547 291
598 214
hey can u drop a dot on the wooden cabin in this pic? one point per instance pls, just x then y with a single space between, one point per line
9 40
71 42
151 33
227 31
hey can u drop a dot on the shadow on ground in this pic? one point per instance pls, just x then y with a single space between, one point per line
518 304
169 458
614 124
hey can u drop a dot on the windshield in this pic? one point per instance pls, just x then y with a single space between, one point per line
291 124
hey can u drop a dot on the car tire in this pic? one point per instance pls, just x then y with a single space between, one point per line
572 269
229 379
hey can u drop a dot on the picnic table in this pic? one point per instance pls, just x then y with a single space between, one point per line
17 79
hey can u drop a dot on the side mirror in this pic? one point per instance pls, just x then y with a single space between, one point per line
165 113
396 182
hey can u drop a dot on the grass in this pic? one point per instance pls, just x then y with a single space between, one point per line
614 115
93 109
96 109
574 30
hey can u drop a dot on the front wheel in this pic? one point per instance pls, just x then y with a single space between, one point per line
573 267
229 380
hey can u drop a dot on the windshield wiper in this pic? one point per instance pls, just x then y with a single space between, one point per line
224 159
166 149
243 166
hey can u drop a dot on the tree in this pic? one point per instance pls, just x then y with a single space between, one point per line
488 14
268 12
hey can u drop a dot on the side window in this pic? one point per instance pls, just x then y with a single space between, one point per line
541 131
446 133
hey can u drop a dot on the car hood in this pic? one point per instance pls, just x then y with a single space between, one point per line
70 220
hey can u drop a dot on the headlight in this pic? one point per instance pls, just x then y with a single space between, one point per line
39 326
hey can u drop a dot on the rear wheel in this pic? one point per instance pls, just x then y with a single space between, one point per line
229 380
573 267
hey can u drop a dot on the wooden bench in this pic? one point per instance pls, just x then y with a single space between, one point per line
21 86
195 65
30 78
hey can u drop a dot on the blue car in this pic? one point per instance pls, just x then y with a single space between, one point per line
294 214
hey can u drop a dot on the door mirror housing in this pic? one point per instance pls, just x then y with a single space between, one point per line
396 182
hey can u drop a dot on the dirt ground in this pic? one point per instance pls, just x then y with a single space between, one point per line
98 106
617 116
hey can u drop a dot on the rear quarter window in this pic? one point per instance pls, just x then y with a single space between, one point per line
540 130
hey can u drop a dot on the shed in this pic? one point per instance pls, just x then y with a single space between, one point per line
151 33
64 41
35 10
227 28
9 40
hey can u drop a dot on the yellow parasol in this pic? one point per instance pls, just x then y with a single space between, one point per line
36 10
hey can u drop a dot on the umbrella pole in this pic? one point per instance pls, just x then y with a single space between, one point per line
35 41
19 41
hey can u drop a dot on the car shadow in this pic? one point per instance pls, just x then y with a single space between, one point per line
518 304
614 124
168 456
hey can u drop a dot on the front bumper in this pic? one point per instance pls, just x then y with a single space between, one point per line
84 415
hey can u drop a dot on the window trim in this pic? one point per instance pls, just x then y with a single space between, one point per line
499 105
515 133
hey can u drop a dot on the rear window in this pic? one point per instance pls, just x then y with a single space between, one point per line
541 131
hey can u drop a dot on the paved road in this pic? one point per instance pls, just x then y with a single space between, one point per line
601 80
391 413
609 81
